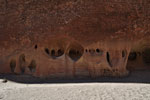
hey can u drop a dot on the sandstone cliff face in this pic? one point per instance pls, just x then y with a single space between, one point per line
71 38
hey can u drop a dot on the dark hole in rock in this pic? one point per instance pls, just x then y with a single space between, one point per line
32 66
75 51
36 46
146 56
53 53
108 59
86 50
132 56
74 54
12 65
47 50
99 51
123 53
89 50
22 61
60 52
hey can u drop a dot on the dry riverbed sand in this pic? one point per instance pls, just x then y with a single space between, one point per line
74 91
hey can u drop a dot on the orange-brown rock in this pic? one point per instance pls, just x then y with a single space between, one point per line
74 38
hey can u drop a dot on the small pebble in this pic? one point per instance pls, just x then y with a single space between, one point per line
4 81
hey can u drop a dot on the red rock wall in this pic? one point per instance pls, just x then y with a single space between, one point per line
71 38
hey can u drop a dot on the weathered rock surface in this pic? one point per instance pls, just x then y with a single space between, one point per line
72 38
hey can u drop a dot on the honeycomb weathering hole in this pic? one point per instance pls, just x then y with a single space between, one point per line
47 51
60 52
57 53
53 53
35 47
132 56
99 51
86 50
75 52
108 59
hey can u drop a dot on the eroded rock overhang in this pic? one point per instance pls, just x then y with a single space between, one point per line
71 38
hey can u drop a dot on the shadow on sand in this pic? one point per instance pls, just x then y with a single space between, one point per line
134 77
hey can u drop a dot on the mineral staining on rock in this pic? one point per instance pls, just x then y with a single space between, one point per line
74 38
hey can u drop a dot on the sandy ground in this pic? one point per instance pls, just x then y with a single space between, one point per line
92 90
